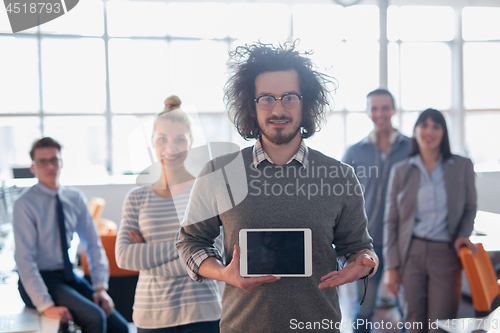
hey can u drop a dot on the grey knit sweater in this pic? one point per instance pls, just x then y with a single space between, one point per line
325 197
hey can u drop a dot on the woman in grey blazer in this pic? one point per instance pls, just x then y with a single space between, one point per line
430 211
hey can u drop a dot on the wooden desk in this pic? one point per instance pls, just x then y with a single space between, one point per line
12 304
490 323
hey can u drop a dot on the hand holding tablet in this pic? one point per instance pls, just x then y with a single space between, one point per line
278 252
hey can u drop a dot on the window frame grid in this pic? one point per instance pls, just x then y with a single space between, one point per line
457 112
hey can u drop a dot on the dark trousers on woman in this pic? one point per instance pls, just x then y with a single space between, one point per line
77 296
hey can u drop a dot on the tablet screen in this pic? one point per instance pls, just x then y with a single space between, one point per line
279 252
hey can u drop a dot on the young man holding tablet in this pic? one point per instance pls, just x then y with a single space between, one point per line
276 97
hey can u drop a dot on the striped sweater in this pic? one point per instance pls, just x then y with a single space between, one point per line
165 295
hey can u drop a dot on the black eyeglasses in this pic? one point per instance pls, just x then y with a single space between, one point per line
43 163
289 101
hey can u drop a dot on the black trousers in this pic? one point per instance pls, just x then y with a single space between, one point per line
77 296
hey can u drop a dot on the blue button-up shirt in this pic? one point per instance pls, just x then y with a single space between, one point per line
431 218
373 170
38 244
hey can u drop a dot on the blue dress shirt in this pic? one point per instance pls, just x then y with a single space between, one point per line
373 170
431 218
38 244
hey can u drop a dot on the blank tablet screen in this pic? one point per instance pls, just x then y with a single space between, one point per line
275 252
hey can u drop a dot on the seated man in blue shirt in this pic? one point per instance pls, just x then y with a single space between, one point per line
45 218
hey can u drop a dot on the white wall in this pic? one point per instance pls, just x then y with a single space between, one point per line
487 183
113 190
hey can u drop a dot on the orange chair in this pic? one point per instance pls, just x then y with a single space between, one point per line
122 282
108 239
103 225
108 242
481 276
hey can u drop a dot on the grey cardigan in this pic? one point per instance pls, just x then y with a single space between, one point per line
401 205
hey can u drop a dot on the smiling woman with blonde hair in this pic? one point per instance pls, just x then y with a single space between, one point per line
166 298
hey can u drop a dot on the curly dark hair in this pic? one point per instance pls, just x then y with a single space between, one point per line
247 62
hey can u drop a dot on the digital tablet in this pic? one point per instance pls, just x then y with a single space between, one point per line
278 252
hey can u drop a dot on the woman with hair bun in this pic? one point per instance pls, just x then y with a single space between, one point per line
166 298
171 103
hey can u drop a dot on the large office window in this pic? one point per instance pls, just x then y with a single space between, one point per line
345 46
420 60
95 77
481 48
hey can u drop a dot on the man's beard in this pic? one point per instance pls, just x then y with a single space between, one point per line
280 138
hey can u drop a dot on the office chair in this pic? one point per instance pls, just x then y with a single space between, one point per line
104 226
482 278
96 206
122 282
108 239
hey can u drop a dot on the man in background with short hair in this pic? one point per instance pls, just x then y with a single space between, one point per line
372 159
